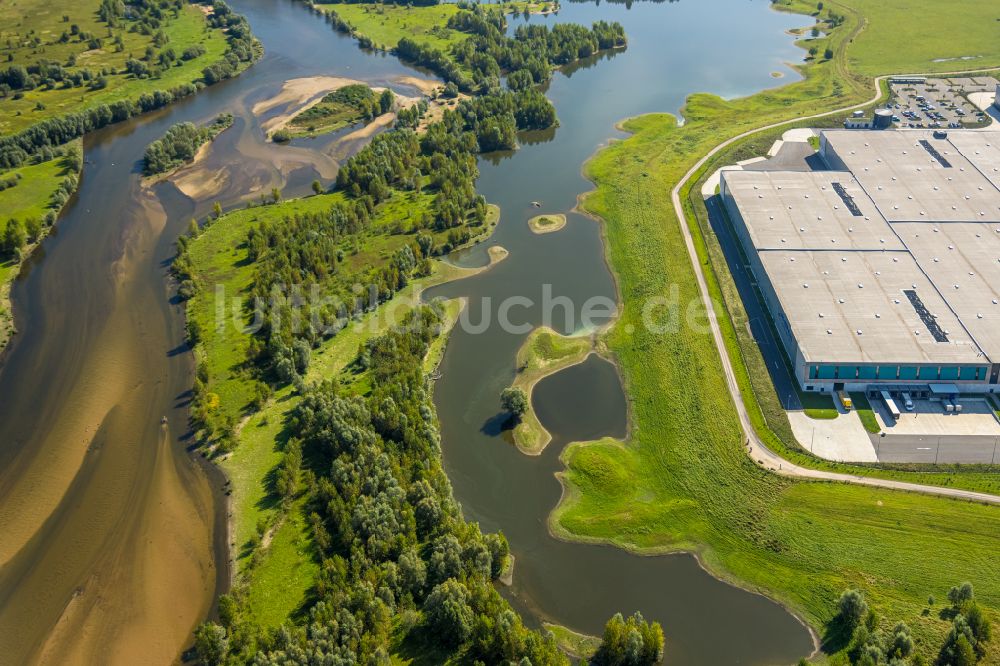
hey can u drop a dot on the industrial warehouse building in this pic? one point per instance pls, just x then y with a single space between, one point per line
883 272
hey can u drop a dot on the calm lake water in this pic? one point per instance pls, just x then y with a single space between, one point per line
114 534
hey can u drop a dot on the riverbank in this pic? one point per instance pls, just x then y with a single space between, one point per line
748 526
32 198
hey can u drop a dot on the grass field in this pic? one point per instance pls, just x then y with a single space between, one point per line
385 25
684 480
925 36
23 20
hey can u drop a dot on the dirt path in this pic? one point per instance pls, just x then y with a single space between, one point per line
756 448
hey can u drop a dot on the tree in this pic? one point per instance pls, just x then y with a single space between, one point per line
14 237
959 594
317 187
828 54
447 612
210 643
386 100
632 642
978 622
33 228
852 608
963 654
515 401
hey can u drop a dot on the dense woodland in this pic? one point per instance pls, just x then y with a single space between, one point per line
180 143
143 15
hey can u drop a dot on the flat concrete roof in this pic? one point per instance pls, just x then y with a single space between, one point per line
802 210
963 261
982 149
828 297
908 182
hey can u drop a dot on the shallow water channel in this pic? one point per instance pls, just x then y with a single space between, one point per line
114 535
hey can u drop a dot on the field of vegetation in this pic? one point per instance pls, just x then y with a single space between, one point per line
73 68
385 25
82 59
925 36
684 480
31 197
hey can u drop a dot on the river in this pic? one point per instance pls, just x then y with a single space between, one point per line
114 532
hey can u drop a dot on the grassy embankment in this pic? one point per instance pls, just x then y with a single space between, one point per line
544 352
684 480
278 574
32 196
27 19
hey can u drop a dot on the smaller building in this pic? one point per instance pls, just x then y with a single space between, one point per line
881 120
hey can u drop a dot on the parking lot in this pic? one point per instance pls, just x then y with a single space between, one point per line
939 103
929 434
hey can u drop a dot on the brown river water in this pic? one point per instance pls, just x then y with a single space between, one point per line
113 532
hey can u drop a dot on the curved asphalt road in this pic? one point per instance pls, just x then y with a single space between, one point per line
762 455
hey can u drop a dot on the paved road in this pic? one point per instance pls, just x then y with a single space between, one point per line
756 448
760 326
965 449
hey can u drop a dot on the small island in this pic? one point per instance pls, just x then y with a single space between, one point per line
182 145
546 224
345 106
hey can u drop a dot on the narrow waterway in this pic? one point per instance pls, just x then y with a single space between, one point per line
113 542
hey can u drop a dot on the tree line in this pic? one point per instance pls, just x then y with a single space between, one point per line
242 47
